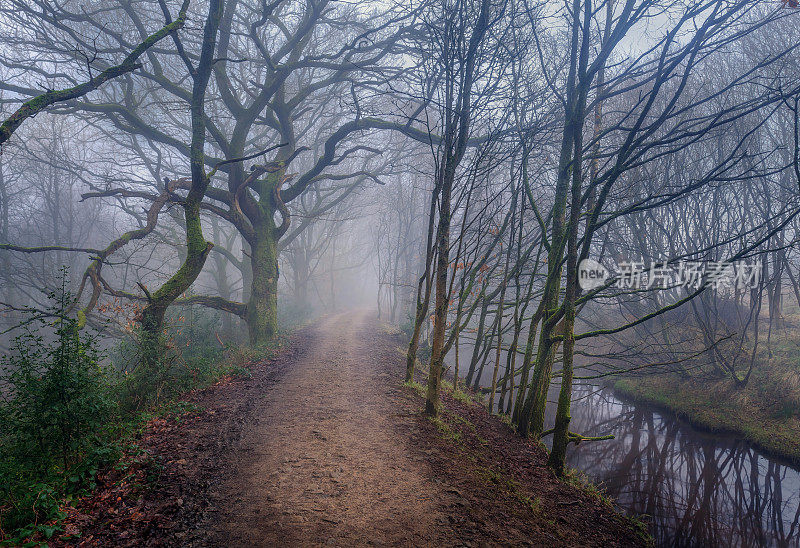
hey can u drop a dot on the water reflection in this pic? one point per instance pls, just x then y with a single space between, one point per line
698 490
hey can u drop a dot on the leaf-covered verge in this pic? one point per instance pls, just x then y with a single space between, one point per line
496 468
68 415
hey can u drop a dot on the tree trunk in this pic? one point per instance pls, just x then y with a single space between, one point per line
262 308
424 287
197 247
476 350
442 298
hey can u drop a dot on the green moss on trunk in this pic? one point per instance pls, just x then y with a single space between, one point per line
262 307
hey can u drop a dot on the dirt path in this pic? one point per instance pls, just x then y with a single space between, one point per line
322 445
324 462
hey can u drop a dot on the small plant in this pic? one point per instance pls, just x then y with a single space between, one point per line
535 504
186 356
445 430
463 397
579 479
56 403
415 385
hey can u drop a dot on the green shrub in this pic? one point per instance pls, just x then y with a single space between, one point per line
56 402
194 332
187 356
64 415
407 326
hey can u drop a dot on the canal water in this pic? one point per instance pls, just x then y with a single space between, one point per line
696 489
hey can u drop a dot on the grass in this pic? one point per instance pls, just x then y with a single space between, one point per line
463 397
445 430
446 416
455 417
416 386
534 505
581 481
765 412
718 406
509 485
490 475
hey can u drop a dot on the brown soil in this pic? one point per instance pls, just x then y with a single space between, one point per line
323 445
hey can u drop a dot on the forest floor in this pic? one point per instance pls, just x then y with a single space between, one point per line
323 445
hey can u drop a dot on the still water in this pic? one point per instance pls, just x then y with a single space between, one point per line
697 489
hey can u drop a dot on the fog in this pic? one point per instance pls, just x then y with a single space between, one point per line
532 195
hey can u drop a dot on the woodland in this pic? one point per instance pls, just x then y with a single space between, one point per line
532 201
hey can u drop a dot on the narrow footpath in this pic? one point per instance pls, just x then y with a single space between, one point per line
324 460
322 445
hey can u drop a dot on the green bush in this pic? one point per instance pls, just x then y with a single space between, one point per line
194 332
186 347
64 415
56 401
189 355
407 326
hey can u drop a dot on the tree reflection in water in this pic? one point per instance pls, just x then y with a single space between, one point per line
697 489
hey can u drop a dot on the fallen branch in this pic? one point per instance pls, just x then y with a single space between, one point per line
572 437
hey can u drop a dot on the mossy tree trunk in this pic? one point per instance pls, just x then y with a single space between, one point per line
442 298
457 123
561 430
531 420
559 323
197 247
424 287
262 307
476 348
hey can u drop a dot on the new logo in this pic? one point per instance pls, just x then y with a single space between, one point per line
591 274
